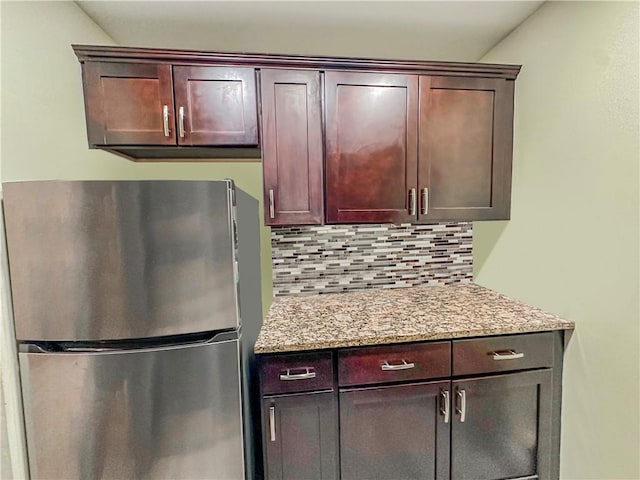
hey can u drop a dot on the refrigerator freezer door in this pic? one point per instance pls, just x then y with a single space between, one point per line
141 414
120 259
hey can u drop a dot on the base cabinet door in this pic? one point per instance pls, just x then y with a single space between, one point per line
501 427
300 437
395 432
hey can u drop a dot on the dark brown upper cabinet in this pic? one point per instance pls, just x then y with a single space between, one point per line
131 110
129 104
465 145
216 105
382 141
371 147
292 151
408 148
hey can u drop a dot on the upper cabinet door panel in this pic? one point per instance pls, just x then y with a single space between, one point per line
216 105
292 146
465 148
371 147
129 104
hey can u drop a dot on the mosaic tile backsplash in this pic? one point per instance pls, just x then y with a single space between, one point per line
339 258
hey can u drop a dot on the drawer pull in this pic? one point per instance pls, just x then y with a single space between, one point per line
401 366
506 355
308 373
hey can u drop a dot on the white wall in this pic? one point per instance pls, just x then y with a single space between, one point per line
571 246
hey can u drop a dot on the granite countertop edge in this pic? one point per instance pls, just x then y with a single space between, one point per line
381 340
392 316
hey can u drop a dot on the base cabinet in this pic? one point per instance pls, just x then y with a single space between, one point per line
394 432
469 409
300 437
501 428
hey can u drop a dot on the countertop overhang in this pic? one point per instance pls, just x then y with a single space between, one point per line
383 316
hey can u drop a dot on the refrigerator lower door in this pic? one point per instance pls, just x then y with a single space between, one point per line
162 413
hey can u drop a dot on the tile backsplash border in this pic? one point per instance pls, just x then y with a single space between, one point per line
310 260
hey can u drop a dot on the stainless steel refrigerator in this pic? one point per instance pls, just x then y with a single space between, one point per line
136 306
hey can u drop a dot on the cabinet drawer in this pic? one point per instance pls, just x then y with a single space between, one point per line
296 373
499 354
393 363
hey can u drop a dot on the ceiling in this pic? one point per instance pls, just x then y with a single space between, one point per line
430 30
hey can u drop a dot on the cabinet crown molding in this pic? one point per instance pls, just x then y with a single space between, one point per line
105 53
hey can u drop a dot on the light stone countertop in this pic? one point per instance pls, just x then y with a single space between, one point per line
373 317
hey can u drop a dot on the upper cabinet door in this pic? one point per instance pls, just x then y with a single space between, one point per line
216 105
371 147
466 131
291 147
129 103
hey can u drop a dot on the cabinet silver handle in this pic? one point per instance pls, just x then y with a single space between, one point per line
165 119
506 355
444 409
181 121
309 373
272 207
272 424
425 201
461 407
412 201
401 366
